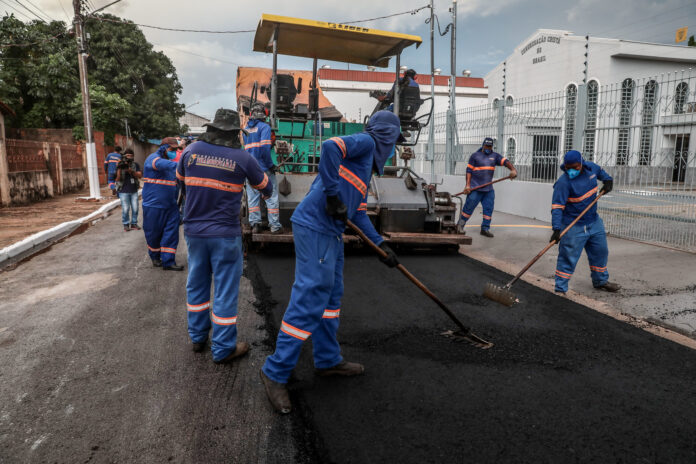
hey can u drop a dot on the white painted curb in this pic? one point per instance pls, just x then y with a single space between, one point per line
59 231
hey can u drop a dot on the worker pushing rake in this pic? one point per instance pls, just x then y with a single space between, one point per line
576 226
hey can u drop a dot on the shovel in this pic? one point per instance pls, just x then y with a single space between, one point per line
464 333
503 294
484 185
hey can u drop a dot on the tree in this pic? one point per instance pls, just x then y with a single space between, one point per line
127 77
692 42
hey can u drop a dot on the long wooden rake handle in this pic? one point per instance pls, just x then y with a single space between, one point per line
484 185
410 277
547 247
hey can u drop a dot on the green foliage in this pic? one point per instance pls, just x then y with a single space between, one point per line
128 79
692 42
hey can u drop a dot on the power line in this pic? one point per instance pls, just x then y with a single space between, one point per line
16 10
64 10
412 12
40 10
30 11
170 28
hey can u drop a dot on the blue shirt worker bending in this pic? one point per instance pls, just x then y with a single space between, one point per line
257 141
111 166
160 212
212 172
479 171
572 193
338 193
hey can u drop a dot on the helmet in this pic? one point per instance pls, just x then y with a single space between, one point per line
410 73
258 111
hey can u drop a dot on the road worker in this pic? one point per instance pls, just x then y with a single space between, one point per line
110 167
212 172
160 212
574 190
338 193
257 141
479 171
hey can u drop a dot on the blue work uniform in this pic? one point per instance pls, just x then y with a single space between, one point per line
258 144
570 198
213 178
110 164
345 169
160 212
481 166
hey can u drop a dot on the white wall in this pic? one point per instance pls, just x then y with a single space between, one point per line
526 199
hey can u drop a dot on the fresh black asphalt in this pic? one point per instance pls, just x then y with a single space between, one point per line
563 383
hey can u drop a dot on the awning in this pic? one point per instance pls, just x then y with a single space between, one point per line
330 41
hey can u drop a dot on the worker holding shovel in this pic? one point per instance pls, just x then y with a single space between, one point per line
479 188
574 191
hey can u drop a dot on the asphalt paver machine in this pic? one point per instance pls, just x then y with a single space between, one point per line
403 206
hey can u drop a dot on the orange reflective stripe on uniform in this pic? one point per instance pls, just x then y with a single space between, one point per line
485 168
273 210
563 275
212 183
223 320
486 217
362 207
113 161
469 166
466 215
154 163
352 179
155 250
257 144
171 183
294 331
198 308
502 161
340 143
557 206
587 195
331 313
179 176
263 183
254 209
598 268
167 250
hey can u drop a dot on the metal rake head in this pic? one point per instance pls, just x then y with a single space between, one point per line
468 337
502 295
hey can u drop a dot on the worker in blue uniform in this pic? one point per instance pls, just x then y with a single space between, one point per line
110 167
574 190
338 193
160 211
479 171
212 172
257 142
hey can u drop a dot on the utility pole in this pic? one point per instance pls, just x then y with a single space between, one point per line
450 155
430 153
90 148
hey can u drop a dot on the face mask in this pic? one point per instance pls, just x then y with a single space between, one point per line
487 151
171 154
573 173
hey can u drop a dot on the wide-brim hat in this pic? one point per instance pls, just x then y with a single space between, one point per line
226 120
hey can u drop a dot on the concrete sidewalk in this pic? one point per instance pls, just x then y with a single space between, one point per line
659 284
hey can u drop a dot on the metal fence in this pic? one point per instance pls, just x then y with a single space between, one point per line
642 131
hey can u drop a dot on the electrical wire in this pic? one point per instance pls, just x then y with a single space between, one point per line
30 11
50 39
64 10
16 10
40 10
411 12
109 20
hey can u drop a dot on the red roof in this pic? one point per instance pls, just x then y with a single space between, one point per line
381 76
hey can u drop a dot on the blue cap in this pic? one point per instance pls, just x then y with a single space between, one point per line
572 157
487 141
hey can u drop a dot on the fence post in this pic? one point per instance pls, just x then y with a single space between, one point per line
580 117
500 137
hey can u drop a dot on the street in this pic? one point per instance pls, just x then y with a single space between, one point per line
96 366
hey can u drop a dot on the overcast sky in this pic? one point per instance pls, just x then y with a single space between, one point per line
487 31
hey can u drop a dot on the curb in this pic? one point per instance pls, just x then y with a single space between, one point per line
41 240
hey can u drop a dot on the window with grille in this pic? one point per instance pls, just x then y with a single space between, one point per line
591 122
646 130
680 96
625 116
509 101
571 102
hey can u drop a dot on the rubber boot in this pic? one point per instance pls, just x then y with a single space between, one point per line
610 287
241 349
344 368
487 233
277 394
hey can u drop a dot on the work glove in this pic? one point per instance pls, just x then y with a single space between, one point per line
390 260
336 208
513 174
607 186
555 236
